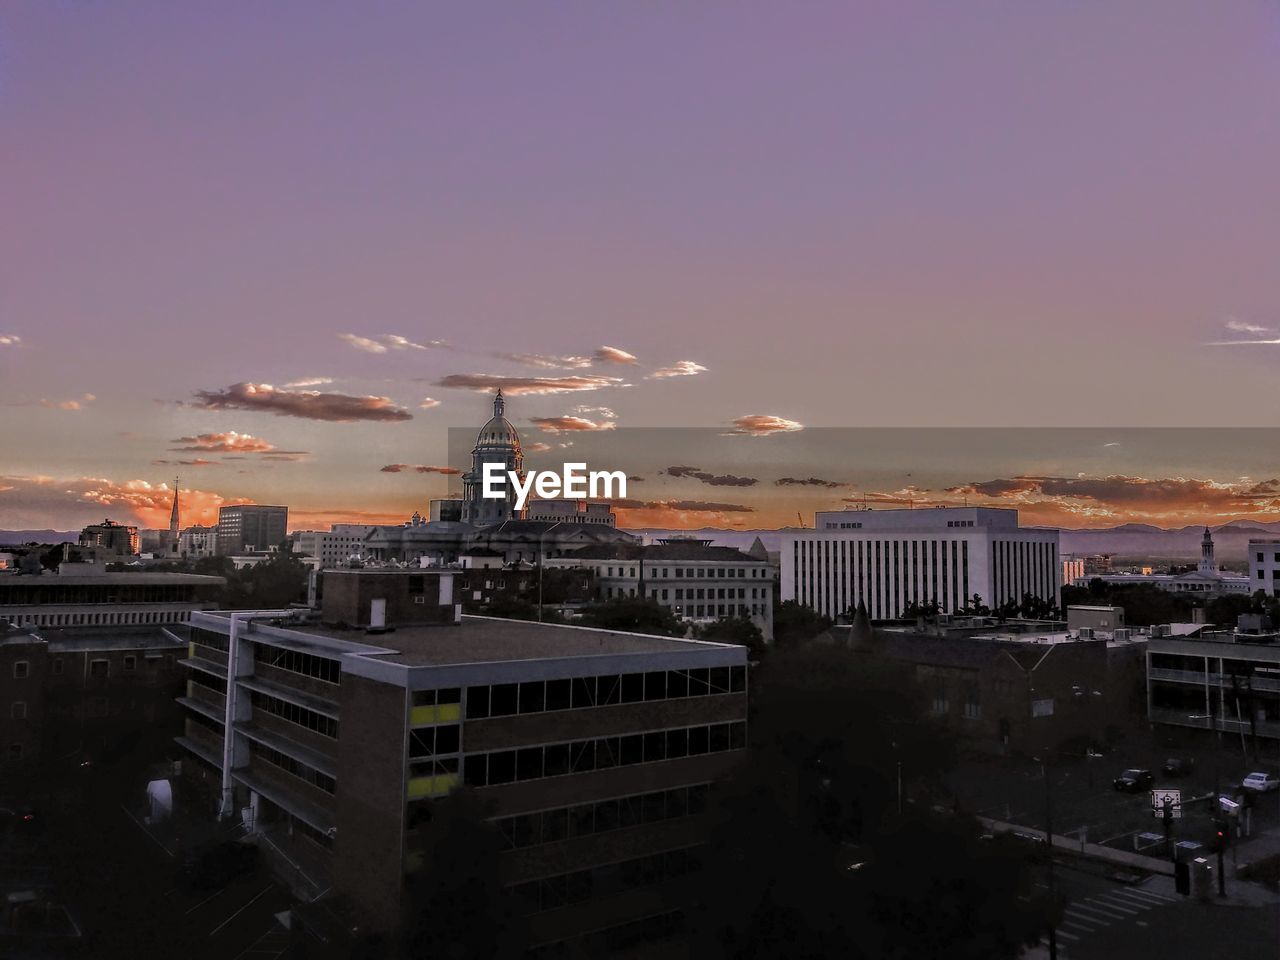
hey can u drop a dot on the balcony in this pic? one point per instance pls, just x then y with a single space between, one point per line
1182 718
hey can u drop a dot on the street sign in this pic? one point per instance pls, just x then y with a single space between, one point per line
1172 797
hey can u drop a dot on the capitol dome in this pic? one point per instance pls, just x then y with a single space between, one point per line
499 431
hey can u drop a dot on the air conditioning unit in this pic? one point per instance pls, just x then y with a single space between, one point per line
1121 633
1086 633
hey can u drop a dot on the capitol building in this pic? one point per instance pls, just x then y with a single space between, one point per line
474 526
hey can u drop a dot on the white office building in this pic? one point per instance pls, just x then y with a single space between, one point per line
1264 567
335 547
890 559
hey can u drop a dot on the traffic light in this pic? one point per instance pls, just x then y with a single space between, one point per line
1221 837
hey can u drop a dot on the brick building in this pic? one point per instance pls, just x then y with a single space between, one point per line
591 749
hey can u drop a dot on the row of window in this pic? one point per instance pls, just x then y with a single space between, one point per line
110 618
583 756
326 726
550 826
97 668
700 611
293 766
306 664
681 573
537 896
211 638
209 681
538 696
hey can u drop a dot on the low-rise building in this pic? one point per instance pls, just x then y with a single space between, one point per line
81 595
1222 679
592 749
334 547
111 539
695 579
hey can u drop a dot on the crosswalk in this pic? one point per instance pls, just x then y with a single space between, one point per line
1083 918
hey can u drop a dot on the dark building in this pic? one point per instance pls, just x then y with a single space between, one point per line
1006 689
83 690
97 598
251 527
592 749
109 539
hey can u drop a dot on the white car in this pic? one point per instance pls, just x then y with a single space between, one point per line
1261 782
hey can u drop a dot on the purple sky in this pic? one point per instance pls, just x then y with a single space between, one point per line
849 214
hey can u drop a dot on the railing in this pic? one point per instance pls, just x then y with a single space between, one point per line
1181 718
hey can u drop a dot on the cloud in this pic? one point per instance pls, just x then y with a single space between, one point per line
615 355
678 513
363 343
419 468
807 482
570 424
37 502
68 404
309 382
197 462
428 403
307 404
229 442
762 425
10 340
515 386
546 362
720 480
681 368
537 447
385 342
1242 326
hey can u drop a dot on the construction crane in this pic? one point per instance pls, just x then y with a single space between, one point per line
800 519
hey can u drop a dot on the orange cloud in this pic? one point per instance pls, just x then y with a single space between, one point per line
570 424
307 404
763 425
419 468
615 355
229 442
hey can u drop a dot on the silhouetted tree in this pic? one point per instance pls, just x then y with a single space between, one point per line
739 630
456 904
633 615
794 623
808 853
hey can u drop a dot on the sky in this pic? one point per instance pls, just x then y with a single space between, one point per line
272 249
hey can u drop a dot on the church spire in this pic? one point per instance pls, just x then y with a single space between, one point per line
173 514
499 405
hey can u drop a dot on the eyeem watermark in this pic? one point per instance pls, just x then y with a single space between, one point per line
574 482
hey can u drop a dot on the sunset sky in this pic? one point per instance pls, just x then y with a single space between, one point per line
277 248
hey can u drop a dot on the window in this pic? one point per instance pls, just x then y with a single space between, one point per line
21 669
57 666
18 710
99 668
15 751
130 664
1042 708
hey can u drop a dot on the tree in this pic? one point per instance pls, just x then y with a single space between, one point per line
739 630
456 903
633 615
818 794
794 623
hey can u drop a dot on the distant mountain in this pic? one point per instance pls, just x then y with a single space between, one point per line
13 538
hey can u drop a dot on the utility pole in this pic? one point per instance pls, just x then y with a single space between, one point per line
1048 835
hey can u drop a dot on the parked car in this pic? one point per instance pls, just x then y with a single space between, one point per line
1178 766
1259 782
1134 780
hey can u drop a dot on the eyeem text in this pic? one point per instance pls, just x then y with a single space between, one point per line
574 482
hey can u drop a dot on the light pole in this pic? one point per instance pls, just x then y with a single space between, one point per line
1217 803
1048 836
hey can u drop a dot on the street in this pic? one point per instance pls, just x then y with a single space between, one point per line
1105 919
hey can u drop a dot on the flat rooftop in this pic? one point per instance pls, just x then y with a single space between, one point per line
489 640
108 579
